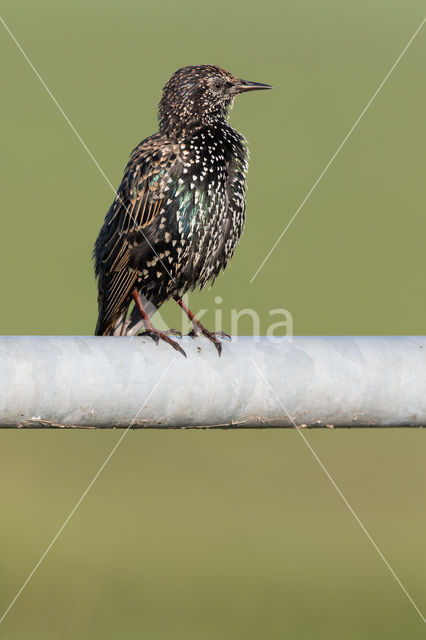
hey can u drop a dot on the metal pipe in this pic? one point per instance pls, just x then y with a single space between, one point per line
258 382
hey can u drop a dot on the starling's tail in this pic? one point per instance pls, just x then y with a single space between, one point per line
125 325
102 328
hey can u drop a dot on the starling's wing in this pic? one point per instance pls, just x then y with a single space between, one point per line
139 200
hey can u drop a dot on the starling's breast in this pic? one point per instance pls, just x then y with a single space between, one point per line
202 216
210 202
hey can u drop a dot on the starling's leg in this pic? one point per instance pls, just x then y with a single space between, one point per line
198 328
151 331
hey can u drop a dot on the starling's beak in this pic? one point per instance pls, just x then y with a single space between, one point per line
245 85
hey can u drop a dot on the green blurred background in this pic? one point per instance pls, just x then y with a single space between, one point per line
217 534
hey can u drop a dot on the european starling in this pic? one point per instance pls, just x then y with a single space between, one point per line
179 210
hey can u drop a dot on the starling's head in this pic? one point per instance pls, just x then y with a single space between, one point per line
199 95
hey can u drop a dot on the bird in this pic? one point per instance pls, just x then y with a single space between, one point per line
179 211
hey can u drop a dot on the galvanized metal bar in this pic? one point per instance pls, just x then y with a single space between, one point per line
110 382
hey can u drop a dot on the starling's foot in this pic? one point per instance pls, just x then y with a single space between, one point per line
157 335
151 331
213 336
198 328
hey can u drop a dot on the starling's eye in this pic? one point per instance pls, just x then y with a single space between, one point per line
219 84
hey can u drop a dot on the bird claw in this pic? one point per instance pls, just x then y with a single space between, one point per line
210 335
173 332
158 335
223 335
